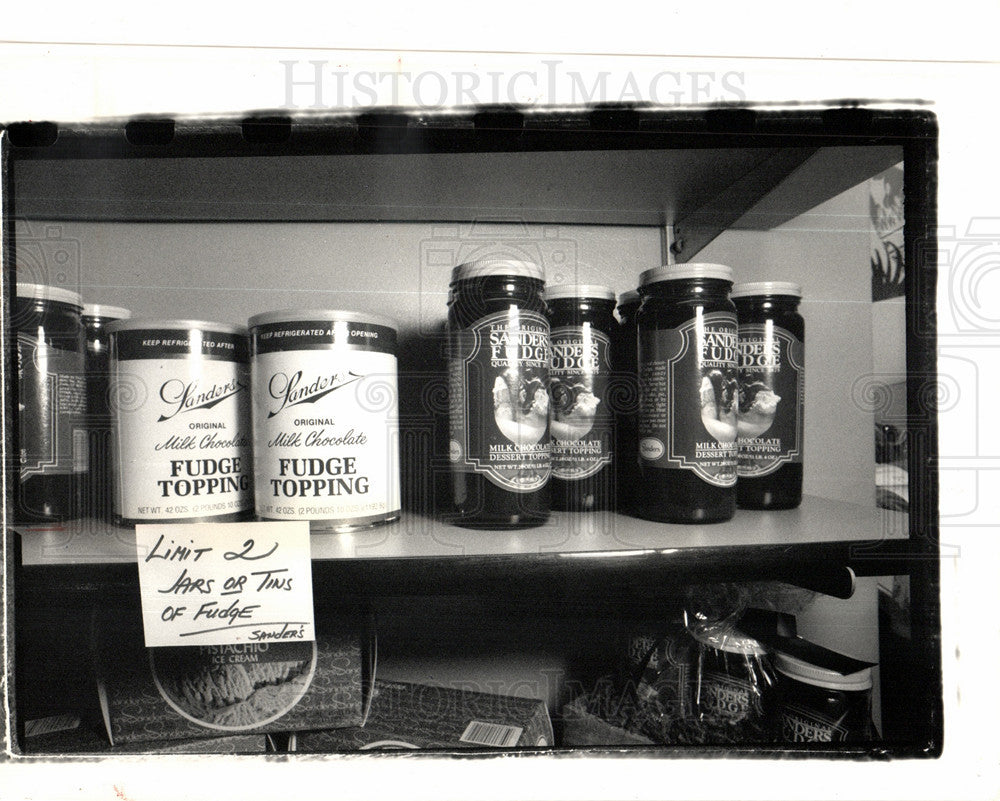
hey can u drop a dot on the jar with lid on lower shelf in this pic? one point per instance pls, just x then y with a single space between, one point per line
818 705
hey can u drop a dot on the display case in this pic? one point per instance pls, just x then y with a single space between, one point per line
224 218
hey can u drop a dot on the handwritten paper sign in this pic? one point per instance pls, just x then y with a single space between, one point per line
225 583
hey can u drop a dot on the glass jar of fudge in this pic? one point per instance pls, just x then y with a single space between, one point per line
498 380
582 323
772 395
624 359
818 705
51 403
98 493
688 394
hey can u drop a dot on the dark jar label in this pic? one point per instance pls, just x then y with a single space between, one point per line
801 725
499 400
772 384
52 403
726 699
688 398
580 420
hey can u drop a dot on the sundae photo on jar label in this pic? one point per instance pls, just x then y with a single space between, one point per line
574 409
771 379
758 405
718 392
520 407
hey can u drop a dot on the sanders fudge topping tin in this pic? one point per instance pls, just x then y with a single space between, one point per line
325 418
181 406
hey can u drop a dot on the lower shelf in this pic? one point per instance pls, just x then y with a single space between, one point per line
812 546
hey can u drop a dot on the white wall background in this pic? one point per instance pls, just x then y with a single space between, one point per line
230 271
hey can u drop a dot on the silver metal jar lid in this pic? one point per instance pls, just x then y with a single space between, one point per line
808 673
497 266
53 293
590 291
327 315
106 312
628 296
154 324
766 288
677 272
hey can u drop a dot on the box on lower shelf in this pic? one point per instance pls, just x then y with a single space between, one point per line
419 716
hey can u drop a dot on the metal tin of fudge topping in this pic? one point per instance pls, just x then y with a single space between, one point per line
325 418
180 403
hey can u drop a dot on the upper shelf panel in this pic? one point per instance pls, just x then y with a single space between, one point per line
638 187
703 190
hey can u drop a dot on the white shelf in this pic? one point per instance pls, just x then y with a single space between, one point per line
566 535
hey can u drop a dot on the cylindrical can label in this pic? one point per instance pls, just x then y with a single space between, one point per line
181 404
325 419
